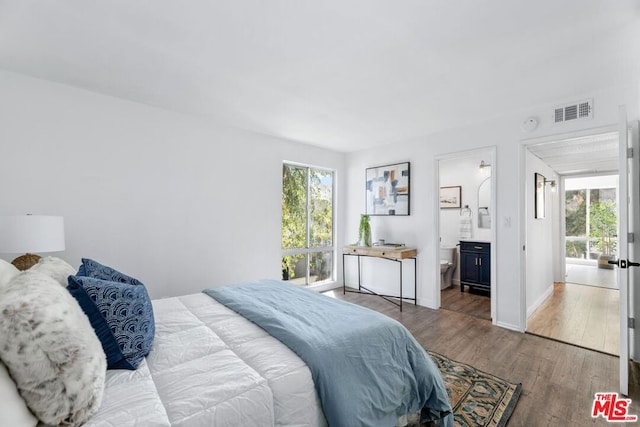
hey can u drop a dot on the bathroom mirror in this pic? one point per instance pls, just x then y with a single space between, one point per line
484 201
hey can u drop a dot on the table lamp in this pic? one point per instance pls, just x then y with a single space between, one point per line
28 234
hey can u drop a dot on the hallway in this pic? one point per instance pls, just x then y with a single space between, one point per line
586 316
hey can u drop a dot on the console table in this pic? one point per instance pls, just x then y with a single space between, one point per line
392 253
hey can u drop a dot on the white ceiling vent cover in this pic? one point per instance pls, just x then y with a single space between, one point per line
575 111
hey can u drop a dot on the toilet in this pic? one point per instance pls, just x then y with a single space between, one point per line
447 265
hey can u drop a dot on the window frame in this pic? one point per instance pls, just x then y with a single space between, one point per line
586 239
306 250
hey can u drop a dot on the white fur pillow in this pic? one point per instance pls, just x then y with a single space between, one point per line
7 272
55 268
13 409
51 350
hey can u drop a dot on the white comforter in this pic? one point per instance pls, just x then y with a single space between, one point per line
210 366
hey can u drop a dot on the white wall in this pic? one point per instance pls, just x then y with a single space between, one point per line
178 202
540 238
418 228
588 182
464 172
184 204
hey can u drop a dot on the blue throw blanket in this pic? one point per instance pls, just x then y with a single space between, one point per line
367 368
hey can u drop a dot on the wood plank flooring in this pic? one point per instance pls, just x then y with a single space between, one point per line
471 302
582 315
558 380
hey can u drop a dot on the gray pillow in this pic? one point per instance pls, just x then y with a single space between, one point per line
51 350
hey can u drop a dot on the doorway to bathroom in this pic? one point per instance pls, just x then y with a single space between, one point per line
466 182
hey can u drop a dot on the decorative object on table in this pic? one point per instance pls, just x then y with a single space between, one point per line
539 196
390 245
388 189
364 231
383 243
478 398
465 222
451 197
28 234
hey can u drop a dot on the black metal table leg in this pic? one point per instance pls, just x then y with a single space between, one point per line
344 278
400 263
394 299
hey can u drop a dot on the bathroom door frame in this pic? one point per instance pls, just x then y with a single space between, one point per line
491 152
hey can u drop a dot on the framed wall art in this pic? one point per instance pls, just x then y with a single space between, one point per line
387 189
450 197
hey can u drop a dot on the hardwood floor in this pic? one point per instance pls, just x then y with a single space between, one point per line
471 302
558 380
583 315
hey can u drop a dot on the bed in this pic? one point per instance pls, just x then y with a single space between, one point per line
210 365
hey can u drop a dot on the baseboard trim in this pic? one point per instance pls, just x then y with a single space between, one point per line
547 293
429 303
325 286
509 326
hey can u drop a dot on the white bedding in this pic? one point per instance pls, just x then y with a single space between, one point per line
210 366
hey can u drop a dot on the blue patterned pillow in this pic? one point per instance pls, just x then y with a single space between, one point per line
91 268
122 316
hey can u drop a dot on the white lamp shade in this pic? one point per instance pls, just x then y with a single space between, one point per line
31 233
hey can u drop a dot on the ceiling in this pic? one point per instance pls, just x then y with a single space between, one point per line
593 154
346 75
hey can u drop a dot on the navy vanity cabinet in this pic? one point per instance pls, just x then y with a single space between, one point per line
475 265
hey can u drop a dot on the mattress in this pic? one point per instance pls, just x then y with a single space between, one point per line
210 366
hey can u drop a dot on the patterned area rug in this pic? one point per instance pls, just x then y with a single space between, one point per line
477 398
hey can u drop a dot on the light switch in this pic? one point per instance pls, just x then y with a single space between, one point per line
507 221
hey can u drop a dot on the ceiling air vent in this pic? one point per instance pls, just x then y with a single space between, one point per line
574 111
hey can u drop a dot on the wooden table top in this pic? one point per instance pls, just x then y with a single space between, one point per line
391 252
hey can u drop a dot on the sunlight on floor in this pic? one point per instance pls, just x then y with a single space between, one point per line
587 316
330 293
591 275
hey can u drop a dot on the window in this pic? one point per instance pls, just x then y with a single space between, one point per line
307 224
591 222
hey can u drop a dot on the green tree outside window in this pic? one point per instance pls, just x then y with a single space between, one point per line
307 222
